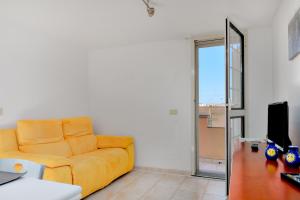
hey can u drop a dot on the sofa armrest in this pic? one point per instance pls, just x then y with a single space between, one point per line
108 141
49 161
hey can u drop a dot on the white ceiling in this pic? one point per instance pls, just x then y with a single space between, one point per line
102 23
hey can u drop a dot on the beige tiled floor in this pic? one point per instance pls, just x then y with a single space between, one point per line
145 185
212 165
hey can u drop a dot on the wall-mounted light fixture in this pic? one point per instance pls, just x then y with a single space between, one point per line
150 9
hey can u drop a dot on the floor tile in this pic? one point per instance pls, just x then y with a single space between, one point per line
194 184
187 195
146 185
127 196
160 192
212 165
104 194
171 180
213 197
139 186
216 187
112 189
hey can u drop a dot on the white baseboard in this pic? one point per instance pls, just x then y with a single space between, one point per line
163 171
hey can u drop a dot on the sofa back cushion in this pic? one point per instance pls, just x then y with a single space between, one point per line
79 126
82 144
42 137
79 134
60 148
30 132
8 140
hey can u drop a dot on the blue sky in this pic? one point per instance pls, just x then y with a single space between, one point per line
212 75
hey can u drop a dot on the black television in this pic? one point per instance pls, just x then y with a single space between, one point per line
278 125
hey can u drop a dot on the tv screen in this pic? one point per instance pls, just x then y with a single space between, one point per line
278 125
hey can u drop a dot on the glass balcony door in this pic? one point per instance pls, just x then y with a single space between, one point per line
235 108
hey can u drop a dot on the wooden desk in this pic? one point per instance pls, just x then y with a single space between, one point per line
255 178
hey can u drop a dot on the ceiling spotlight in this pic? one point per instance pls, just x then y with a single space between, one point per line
150 9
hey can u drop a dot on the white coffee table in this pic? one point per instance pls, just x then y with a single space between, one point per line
36 189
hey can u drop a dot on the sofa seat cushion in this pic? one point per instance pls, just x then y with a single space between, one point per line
95 170
61 174
90 173
82 144
117 158
31 132
8 140
60 148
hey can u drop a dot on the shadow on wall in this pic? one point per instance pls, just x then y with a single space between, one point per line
42 111
294 118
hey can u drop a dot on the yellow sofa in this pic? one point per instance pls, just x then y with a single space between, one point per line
70 151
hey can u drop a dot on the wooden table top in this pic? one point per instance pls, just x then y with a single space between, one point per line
255 178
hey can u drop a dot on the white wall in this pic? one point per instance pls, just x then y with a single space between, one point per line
41 77
258 80
132 89
286 77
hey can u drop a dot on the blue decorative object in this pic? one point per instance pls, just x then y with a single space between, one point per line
292 158
271 151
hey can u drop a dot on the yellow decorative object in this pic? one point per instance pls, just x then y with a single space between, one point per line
70 151
290 157
271 152
18 167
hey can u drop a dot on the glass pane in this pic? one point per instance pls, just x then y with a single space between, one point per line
211 110
236 69
211 75
236 128
234 92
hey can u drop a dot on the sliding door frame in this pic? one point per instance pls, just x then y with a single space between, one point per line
202 44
